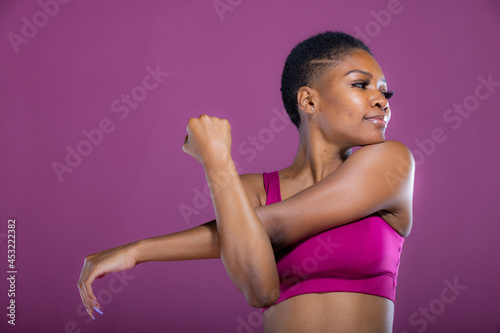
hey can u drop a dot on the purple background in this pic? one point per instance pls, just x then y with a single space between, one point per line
64 78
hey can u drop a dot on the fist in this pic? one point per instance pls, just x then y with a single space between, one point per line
208 139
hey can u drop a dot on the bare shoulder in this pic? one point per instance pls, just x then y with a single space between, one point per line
387 158
254 186
393 164
386 149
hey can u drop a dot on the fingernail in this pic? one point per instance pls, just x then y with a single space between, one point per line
90 314
97 310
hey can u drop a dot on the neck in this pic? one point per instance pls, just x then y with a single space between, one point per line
316 158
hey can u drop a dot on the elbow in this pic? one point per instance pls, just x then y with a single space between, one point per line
263 299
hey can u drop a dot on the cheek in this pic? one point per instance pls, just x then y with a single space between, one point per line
346 105
353 105
357 101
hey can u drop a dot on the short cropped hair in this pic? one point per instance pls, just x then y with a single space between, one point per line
309 60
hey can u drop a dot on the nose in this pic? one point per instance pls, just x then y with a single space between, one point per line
383 108
380 103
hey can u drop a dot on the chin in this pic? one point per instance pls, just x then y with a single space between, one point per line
374 139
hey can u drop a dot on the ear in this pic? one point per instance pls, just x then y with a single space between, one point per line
306 99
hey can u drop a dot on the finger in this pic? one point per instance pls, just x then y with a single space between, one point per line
84 276
85 286
87 283
81 285
89 302
86 304
90 314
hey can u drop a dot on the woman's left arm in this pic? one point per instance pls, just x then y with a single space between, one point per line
374 178
245 246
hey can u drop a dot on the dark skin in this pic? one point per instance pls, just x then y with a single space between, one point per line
325 186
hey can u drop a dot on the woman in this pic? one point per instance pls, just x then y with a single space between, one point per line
317 244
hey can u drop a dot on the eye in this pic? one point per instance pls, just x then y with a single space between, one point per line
388 94
361 84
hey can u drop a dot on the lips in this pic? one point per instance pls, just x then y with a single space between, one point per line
378 119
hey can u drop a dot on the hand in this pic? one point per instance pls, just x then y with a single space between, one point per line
100 264
208 139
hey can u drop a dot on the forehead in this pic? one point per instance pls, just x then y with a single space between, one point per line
357 60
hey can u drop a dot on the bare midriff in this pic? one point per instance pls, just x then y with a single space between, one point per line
332 312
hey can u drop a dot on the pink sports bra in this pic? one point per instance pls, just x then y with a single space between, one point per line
361 256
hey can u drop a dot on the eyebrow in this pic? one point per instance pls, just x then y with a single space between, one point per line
370 75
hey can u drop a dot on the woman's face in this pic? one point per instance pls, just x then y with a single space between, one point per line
351 106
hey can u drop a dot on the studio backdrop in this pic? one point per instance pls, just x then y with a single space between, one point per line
94 101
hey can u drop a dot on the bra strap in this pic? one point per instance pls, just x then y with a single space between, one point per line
272 187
